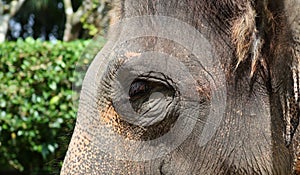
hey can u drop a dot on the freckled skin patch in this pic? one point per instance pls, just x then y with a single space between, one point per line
110 117
78 154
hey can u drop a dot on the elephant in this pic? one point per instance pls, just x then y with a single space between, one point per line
191 87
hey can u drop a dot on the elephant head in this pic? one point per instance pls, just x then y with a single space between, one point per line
190 87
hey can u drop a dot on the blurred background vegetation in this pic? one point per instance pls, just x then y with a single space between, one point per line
43 57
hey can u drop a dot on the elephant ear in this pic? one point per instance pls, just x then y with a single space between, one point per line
293 116
292 133
248 37
292 111
292 107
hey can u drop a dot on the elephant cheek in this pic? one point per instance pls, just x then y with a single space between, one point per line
78 155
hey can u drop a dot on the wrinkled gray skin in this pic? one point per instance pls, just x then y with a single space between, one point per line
251 137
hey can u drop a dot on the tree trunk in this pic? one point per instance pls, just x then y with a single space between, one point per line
4 19
72 26
6 13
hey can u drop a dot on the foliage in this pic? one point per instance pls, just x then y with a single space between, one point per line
37 104
96 18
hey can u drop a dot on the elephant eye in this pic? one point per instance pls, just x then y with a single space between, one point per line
149 107
147 93
138 88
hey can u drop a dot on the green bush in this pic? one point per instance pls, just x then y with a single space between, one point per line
37 104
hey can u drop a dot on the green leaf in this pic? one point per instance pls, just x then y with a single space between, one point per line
51 148
54 100
53 85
